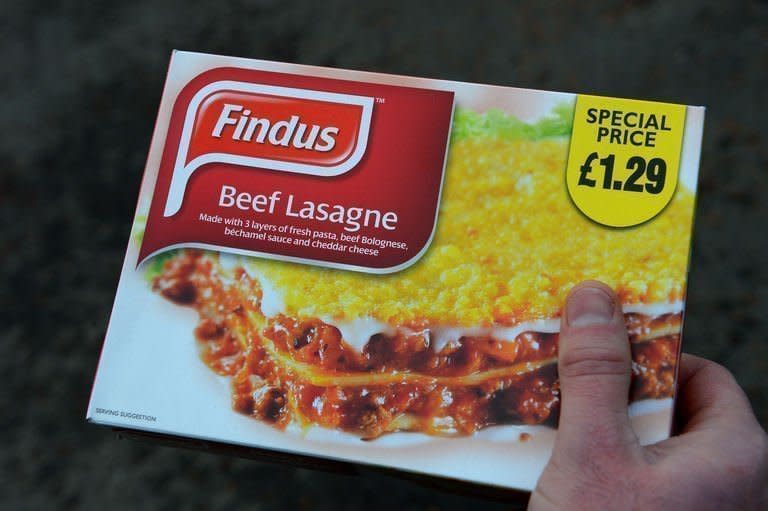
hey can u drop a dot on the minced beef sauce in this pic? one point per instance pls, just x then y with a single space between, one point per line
263 389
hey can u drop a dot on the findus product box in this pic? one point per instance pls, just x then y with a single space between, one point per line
371 268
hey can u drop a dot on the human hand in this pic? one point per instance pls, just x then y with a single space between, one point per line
719 460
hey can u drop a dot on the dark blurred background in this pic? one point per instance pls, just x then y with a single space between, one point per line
80 85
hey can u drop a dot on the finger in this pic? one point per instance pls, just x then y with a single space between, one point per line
708 395
594 364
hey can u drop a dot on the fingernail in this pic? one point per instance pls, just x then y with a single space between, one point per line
589 306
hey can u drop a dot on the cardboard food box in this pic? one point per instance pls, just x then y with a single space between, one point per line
371 268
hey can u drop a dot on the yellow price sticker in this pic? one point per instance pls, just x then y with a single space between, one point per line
624 158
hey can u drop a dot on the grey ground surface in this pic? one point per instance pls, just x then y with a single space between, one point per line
80 87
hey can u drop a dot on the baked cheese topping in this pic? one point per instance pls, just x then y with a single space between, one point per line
509 246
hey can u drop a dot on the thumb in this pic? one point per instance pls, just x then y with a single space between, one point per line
594 365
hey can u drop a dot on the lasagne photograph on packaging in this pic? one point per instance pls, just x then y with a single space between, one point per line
371 268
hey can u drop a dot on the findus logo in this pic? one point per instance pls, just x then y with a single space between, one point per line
290 133
270 128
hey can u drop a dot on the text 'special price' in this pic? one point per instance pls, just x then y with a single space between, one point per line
624 158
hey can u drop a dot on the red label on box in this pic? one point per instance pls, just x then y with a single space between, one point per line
316 170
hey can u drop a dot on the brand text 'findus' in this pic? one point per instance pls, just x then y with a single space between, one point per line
240 123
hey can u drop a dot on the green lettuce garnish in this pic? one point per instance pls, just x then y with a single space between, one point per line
154 266
138 228
497 124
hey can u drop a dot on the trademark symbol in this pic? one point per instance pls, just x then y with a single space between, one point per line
381 100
